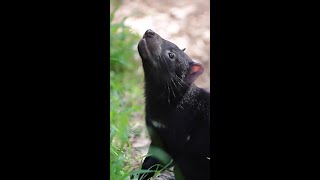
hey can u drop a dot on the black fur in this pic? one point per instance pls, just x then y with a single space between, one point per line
177 111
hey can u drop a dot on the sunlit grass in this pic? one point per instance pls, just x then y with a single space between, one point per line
125 98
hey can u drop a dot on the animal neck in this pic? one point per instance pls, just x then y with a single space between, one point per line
164 95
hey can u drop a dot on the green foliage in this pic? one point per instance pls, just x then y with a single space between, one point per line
125 97
122 44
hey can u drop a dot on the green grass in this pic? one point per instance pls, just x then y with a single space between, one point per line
126 94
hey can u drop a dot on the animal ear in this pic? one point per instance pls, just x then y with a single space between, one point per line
195 70
183 49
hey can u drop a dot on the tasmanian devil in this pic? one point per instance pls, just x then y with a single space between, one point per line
177 111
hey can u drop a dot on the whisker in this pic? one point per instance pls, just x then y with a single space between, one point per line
175 76
179 83
173 93
164 61
173 83
172 90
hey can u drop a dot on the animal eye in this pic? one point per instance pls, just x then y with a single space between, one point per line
171 55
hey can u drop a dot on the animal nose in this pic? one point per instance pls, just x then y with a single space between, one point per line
149 33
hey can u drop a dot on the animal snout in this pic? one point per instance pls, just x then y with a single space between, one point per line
149 33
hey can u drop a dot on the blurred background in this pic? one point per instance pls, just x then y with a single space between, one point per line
183 22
